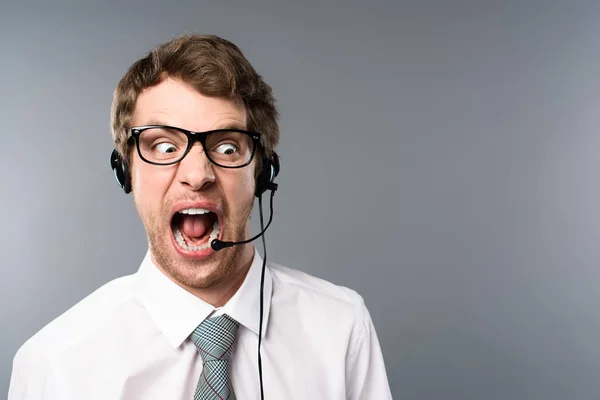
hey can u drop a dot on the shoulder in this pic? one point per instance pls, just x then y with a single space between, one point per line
317 296
319 287
82 320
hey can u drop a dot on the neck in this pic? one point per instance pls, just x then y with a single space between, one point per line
219 294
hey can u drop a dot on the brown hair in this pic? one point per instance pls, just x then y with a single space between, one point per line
214 67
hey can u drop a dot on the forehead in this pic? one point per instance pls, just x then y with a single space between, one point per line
172 102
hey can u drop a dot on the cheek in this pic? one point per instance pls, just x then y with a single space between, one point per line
239 191
149 189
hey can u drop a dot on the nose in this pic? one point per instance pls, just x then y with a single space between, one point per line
195 170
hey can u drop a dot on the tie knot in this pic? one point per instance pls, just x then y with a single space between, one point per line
214 337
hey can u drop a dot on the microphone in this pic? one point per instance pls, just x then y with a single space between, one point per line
217 244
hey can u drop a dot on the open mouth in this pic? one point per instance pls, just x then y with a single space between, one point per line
195 228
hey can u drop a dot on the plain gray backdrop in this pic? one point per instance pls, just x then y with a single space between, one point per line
439 157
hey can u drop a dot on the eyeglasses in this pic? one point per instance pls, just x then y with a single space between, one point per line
166 145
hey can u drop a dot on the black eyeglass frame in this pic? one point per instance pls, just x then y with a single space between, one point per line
192 137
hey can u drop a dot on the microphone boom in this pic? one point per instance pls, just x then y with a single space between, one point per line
217 244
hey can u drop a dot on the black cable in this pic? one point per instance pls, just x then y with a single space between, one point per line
262 284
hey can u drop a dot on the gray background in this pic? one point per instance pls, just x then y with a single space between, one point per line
440 157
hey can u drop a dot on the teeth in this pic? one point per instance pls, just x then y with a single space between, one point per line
194 211
181 241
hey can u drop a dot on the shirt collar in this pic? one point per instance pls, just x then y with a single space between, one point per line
176 312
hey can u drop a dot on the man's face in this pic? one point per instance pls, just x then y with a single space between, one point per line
179 240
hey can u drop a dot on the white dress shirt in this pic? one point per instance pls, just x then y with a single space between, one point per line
129 340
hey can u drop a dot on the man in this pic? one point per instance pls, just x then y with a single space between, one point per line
195 129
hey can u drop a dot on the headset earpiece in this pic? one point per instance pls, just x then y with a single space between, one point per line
121 171
268 172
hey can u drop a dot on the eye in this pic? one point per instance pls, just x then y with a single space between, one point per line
227 149
165 147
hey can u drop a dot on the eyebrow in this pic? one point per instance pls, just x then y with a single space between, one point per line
226 125
231 125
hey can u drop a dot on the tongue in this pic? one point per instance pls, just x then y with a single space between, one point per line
195 226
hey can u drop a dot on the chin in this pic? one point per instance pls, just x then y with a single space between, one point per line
192 272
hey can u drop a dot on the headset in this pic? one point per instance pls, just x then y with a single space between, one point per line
264 181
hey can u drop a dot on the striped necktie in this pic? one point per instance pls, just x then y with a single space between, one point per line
214 338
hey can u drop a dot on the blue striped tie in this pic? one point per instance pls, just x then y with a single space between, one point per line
214 339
